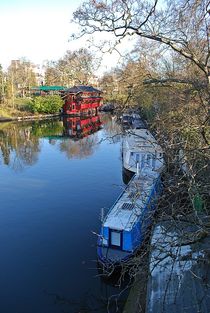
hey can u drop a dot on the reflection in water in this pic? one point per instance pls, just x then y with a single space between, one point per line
49 211
20 144
111 297
79 144
79 149
113 131
79 127
19 147
89 302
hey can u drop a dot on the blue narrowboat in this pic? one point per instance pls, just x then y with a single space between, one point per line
124 228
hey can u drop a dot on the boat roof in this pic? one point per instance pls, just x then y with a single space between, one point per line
82 88
141 140
131 203
179 276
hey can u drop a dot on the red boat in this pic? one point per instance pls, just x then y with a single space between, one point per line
82 99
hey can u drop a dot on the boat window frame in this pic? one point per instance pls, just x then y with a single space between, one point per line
121 239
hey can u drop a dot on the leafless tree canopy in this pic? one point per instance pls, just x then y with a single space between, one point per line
182 25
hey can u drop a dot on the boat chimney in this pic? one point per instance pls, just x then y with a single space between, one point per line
137 169
102 215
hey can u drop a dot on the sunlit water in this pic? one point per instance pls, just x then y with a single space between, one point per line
52 189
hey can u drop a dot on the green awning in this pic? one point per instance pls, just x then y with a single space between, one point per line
48 88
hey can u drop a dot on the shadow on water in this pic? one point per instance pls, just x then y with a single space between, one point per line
111 298
126 175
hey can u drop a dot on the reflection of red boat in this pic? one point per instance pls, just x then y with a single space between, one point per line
79 127
79 99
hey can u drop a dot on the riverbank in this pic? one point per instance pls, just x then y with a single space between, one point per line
28 117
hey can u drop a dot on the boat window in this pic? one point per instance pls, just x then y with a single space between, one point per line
137 157
115 238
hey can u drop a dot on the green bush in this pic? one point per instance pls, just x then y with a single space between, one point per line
47 104
47 128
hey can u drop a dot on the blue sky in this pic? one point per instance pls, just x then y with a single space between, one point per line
38 30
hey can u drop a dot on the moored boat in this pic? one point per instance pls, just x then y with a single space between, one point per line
140 146
124 228
132 120
178 274
82 99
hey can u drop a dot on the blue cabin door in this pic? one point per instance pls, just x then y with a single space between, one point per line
115 238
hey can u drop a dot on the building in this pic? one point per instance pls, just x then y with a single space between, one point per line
82 99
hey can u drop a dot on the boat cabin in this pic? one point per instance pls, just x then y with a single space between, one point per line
139 146
82 99
124 228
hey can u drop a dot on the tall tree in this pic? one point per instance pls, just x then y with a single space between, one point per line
181 25
74 68
20 77
2 85
52 76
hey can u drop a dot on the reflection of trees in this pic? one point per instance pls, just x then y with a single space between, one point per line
79 149
112 129
19 142
18 146
109 299
47 128
83 148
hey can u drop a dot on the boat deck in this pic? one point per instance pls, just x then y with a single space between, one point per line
142 139
131 203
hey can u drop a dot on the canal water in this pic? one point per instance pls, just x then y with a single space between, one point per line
55 176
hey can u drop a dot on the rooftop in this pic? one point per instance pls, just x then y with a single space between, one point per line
129 206
141 140
82 88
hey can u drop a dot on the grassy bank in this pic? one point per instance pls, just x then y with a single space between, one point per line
22 108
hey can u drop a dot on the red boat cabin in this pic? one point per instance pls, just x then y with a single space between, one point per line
82 99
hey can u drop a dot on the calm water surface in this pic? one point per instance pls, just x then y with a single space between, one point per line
54 179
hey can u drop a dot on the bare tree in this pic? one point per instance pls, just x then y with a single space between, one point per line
180 110
181 25
73 68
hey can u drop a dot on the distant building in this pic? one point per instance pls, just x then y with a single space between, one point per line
81 99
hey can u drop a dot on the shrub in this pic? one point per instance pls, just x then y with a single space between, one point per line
47 104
